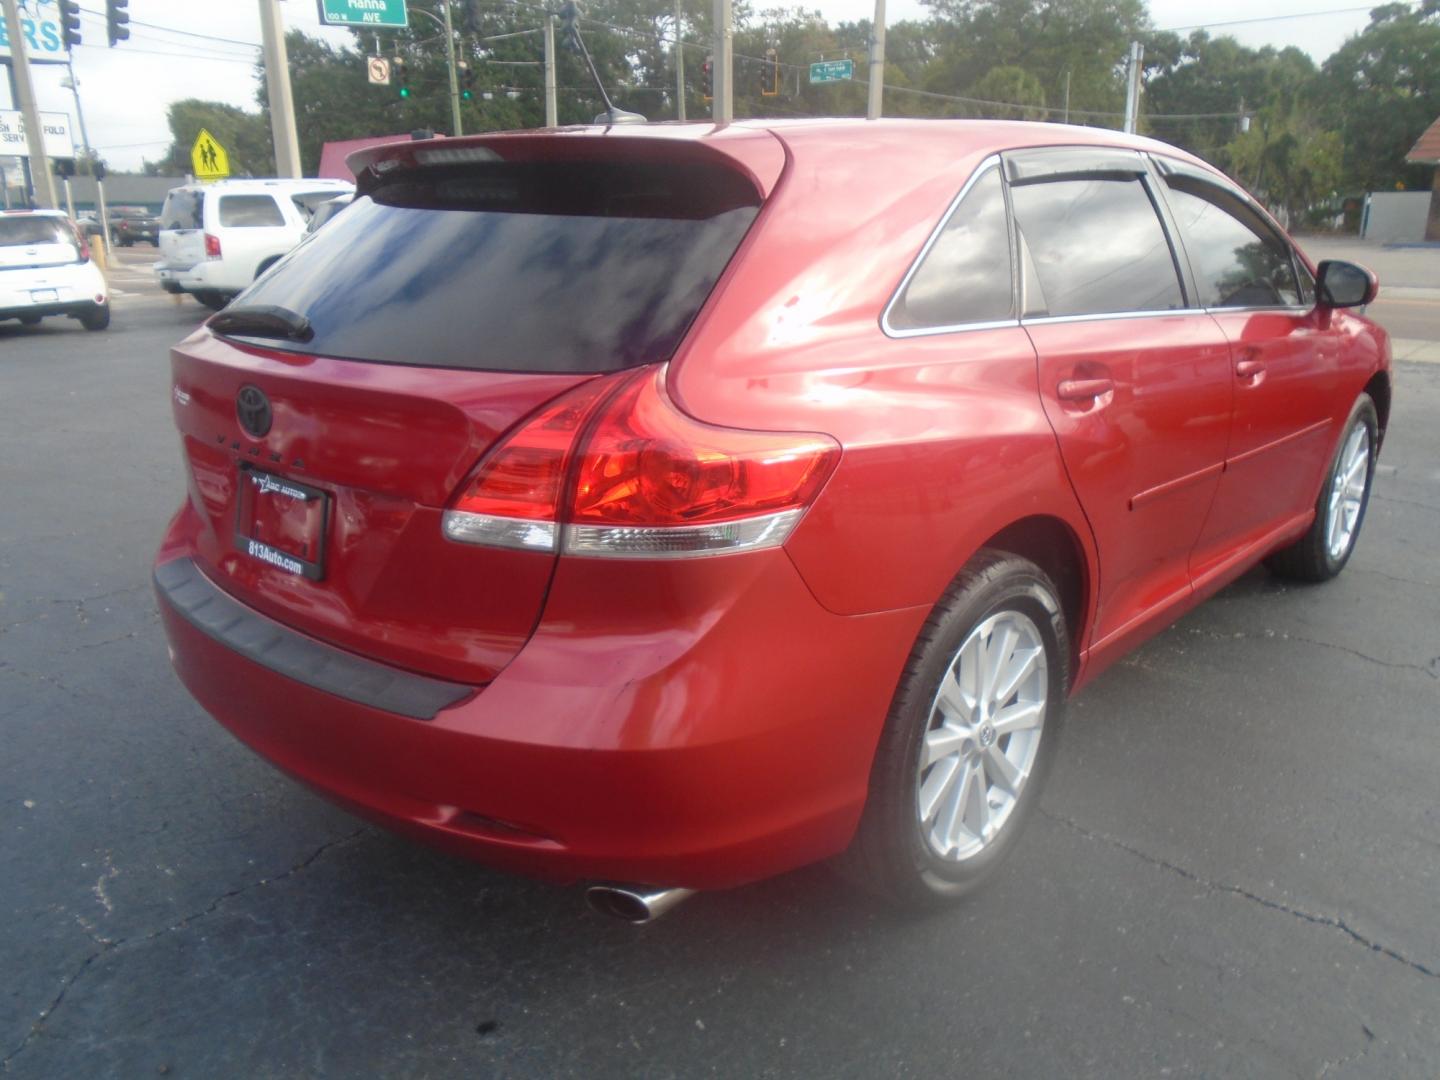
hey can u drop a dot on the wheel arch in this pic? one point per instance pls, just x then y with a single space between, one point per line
265 264
1379 390
1051 544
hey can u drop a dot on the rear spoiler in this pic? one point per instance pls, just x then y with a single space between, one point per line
753 152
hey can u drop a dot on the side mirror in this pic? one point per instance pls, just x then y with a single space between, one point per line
1344 284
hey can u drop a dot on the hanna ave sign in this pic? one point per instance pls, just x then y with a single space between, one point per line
371 13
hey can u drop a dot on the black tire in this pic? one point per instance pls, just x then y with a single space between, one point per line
213 300
127 243
890 854
1309 558
98 319
30 320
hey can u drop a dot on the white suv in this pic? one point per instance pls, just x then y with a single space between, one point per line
45 269
215 239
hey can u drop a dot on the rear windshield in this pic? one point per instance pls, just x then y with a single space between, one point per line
28 231
184 209
516 267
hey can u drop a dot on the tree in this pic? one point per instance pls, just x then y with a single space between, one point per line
245 136
1380 90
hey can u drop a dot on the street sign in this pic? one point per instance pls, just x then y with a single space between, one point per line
368 13
208 158
378 68
40 24
56 125
832 71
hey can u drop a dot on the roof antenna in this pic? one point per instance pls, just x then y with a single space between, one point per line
570 14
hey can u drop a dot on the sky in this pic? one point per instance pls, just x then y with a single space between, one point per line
125 90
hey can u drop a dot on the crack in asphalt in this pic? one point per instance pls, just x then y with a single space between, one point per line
108 945
1330 921
1431 668
1340 1063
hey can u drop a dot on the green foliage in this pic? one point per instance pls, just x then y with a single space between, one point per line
1313 132
245 136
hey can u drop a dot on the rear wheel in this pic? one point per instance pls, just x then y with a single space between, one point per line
1326 547
213 300
98 319
30 320
969 739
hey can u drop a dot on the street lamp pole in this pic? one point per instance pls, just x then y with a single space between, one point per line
89 157
450 57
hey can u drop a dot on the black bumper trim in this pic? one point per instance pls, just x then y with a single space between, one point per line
221 617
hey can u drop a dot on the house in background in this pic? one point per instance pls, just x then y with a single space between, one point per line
1426 151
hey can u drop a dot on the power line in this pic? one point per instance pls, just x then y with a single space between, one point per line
1278 18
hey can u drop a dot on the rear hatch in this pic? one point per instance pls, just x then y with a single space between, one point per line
377 363
182 228
28 241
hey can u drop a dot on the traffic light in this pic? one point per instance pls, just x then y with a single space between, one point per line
466 76
770 75
70 23
400 76
116 18
708 71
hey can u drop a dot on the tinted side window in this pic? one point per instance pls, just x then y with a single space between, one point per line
249 211
1097 246
1238 261
965 276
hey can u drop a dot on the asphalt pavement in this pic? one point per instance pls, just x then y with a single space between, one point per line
1235 870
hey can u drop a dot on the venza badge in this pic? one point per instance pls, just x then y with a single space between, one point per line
253 409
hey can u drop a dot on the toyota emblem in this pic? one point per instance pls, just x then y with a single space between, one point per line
253 409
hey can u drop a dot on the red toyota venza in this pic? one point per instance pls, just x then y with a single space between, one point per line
668 507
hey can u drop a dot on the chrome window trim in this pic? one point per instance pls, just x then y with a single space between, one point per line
991 162
1045 320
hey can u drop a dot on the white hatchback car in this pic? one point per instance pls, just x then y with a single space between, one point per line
215 239
45 269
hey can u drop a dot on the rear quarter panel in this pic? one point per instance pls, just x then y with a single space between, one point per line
944 438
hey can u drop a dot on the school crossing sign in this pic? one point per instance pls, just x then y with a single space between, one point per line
208 159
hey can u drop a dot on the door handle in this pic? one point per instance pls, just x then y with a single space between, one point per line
1249 368
1083 389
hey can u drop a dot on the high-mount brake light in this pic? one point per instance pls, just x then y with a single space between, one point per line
648 482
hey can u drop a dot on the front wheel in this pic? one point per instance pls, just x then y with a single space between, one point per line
1327 545
969 739
213 300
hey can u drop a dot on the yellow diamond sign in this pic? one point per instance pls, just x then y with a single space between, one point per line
208 158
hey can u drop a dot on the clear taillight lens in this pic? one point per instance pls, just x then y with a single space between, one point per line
648 482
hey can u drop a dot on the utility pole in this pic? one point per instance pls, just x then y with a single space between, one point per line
552 112
1067 98
277 87
722 109
877 63
1132 87
89 157
679 65
41 177
450 56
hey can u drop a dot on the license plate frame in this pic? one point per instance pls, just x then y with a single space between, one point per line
44 296
256 484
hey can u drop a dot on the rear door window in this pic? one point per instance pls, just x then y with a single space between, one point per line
557 266
965 277
1097 247
34 231
184 209
250 212
1238 260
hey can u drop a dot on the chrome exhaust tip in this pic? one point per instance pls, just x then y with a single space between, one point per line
635 904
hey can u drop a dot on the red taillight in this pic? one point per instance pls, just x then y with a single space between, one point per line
212 246
647 482
513 498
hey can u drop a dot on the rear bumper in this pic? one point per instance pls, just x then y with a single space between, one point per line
202 277
74 308
75 287
701 752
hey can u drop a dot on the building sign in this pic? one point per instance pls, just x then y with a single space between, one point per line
58 143
43 42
